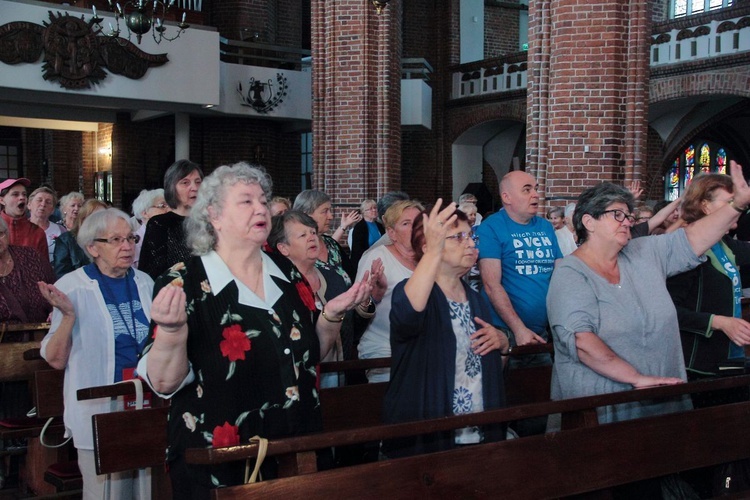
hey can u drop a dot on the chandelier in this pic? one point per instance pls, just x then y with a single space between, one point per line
140 16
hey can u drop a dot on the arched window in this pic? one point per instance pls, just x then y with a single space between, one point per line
711 158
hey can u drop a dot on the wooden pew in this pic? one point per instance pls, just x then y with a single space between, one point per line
57 466
584 457
132 439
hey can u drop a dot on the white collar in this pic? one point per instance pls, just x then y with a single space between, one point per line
219 276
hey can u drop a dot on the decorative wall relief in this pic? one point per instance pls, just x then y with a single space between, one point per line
75 52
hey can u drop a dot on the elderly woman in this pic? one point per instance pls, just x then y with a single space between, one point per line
614 325
317 205
20 269
240 359
367 231
99 329
68 255
279 205
148 204
708 297
446 358
41 205
70 204
295 236
399 262
164 243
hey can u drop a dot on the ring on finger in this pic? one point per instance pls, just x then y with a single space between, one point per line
440 222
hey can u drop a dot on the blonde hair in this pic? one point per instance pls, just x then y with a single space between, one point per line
395 211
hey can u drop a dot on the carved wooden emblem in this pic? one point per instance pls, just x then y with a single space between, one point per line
75 53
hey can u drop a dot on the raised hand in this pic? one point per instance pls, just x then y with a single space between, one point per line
741 189
168 309
56 298
635 189
436 226
348 220
378 280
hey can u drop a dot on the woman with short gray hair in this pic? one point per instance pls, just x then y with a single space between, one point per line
234 343
613 321
101 312
164 240
149 203
317 205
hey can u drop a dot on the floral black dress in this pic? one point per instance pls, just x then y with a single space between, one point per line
254 371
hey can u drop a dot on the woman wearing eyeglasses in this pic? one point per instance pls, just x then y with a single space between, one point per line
613 322
147 205
100 325
446 359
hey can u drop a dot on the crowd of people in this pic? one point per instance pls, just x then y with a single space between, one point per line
225 299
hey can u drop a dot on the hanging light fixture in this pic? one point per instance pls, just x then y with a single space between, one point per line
380 4
140 16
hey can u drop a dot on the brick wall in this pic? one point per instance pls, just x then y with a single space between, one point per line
587 95
356 99
500 30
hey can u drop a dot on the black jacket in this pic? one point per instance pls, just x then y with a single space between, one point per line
699 294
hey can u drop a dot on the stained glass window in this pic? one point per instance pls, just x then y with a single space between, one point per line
721 161
711 158
705 159
673 186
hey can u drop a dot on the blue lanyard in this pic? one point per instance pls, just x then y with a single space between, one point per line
730 269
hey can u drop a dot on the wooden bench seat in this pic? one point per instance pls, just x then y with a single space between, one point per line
584 457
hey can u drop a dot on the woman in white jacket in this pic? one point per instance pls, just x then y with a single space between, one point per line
104 306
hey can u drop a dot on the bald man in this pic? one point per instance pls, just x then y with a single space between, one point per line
517 254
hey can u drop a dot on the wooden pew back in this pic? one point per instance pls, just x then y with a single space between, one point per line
573 462
13 366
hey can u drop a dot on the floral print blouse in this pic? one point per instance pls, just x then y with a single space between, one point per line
254 368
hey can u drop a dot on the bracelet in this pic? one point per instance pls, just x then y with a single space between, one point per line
366 305
375 301
507 353
739 209
331 320
343 228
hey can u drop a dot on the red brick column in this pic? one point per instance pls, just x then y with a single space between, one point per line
356 99
587 98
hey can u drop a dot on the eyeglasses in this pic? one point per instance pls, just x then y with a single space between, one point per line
620 216
119 240
463 236
160 205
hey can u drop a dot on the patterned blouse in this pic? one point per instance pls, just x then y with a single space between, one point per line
254 367
20 299
337 259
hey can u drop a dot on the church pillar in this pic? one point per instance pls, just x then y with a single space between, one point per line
356 56
587 94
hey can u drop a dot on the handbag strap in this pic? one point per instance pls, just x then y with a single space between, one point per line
262 448
138 384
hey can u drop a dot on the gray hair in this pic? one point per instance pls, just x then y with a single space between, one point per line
467 207
467 198
44 189
278 226
388 199
97 224
309 200
594 202
68 198
559 211
201 236
177 171
366 203
146 200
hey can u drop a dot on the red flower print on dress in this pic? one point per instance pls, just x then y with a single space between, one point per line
306 294
235 343
226 435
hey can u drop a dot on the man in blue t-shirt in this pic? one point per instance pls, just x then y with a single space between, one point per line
517 254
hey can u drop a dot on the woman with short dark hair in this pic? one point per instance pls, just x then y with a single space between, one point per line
164 241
